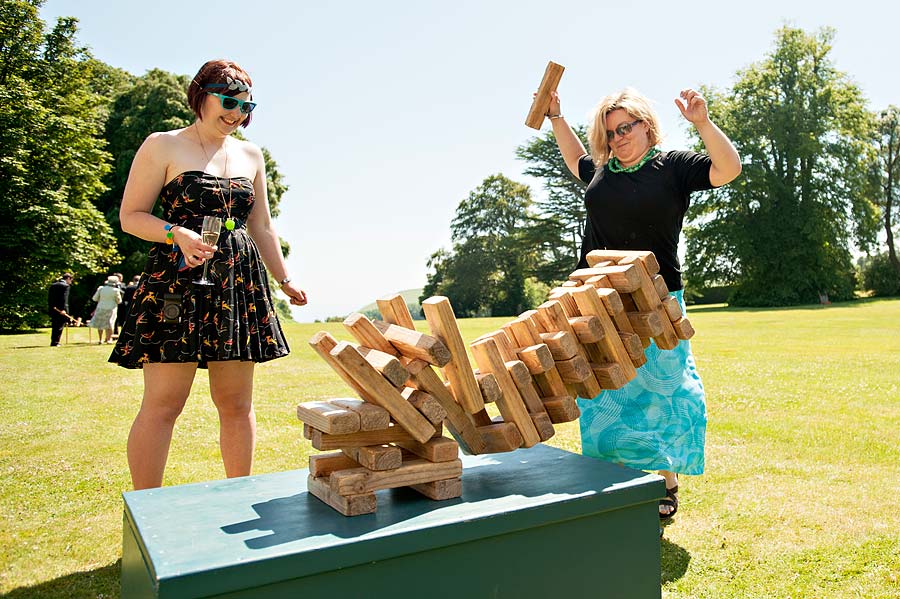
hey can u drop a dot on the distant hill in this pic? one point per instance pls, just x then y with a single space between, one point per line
412 302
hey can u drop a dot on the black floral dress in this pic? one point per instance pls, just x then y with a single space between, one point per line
234 319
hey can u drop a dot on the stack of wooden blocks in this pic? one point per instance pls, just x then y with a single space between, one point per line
588 337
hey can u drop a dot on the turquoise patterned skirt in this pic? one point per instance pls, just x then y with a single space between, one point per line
655 422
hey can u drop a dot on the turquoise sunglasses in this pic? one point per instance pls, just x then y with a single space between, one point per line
230 103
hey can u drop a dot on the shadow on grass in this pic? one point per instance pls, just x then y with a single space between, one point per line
674 561
100 582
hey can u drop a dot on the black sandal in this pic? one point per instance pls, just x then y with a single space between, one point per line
671 500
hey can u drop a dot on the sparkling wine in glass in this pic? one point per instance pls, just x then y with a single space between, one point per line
212 225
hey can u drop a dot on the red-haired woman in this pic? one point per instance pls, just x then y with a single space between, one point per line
175 325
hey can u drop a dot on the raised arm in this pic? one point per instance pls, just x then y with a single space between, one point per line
726 164
570 146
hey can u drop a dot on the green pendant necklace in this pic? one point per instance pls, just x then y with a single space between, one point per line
616 167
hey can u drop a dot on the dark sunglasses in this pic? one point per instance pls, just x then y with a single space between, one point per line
230 103
623 130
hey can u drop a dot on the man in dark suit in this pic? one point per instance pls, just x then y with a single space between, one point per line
58 301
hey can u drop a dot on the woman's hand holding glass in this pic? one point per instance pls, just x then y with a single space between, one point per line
191 245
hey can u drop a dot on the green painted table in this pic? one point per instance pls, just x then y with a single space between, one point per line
537 522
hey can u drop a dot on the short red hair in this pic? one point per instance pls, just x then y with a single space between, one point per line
216 71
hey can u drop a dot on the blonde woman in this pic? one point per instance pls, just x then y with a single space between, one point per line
636 199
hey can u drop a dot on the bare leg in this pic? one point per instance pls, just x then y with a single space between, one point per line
166 388
231 387
671 482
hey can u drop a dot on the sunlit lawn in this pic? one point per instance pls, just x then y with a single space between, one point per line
801 497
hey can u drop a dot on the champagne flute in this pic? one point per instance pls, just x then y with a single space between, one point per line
212 225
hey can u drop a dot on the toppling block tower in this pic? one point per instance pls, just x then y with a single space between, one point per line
589 336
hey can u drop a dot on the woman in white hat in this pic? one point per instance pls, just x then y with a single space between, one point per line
108 297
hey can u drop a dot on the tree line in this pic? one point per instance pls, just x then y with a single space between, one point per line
70 126
820 178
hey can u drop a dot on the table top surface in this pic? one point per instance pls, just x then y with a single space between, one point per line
220 525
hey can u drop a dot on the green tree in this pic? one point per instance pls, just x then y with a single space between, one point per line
52 162
782 232
557 230
486 272
888 176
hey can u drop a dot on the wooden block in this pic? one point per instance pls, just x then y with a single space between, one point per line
499 438
415 345
324 343
394 310
439 449
561 344
543 424
560 409
382 392
438 490
371 417
632 343
490 389
599 281
588 329
365 332
375 457
504 343
328 418
588 388
324 464
361 480
525 384
441 320
388 365
609 375
672 307
524 331
625 279
428 406
553 315
576 283
660 283
628 303
683 328
612 301
646 298
646 257
537 358
566 300
645 324
550 383
589 303
584 274
510 403
393 434
423 376
573 370
307 431
541 103
348 505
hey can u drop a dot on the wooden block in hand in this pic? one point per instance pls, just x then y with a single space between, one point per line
328 418
375 457
348 505
371 417
443 325
541 103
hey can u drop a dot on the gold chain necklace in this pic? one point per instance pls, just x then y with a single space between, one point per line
229 222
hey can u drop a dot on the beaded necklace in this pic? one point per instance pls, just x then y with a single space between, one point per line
229 222
616 167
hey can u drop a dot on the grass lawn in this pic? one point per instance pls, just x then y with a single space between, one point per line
801 497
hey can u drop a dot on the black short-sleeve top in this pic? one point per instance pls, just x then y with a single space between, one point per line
643 210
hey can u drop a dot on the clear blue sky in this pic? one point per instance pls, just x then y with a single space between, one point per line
383 115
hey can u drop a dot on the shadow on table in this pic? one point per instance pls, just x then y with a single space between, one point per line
99 582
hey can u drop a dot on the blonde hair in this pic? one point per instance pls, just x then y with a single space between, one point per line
636 105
